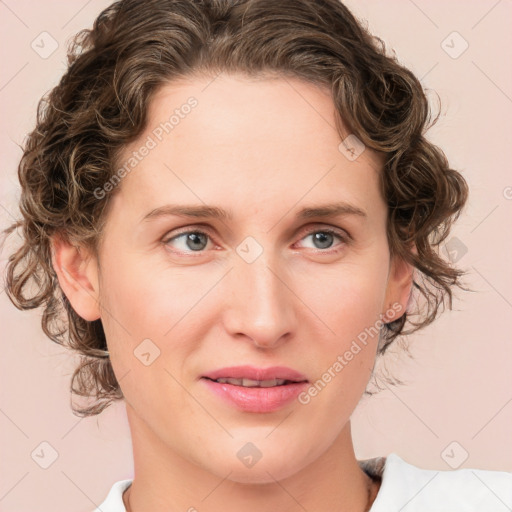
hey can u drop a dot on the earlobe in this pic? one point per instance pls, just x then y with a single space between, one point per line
398 290
76 270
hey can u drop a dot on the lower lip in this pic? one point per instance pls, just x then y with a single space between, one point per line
257 399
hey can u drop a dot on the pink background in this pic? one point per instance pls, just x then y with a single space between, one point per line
458 381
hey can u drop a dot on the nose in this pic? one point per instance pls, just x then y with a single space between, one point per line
260 304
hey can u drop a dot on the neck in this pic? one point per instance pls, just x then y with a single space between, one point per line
164 480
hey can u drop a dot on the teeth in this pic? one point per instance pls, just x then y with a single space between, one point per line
249 383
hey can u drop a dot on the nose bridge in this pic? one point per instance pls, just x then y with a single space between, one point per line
261 304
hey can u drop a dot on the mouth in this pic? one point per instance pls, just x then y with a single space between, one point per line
249 383
252 376
256 390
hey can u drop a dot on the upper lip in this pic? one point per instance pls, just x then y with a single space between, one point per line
253 373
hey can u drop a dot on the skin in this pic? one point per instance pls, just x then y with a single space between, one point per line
263 149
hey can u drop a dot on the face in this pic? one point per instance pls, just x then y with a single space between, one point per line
262 285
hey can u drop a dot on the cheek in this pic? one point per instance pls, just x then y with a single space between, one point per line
143 297
149 335
153 302
350 298
345 353
137 307
349 308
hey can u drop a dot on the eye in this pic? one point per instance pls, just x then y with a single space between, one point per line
323 238
197 240
192 240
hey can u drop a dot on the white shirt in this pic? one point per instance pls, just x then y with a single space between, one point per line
407 488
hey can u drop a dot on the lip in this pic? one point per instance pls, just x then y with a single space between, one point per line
255 399
254 373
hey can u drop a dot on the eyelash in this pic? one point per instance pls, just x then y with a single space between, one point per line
342 236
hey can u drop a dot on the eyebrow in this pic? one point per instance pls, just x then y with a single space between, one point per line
215 212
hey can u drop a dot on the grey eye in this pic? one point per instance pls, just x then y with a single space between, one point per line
193 241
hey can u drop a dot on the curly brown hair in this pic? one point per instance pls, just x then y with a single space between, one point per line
101 102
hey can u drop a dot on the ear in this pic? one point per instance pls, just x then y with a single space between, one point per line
77 271
399 287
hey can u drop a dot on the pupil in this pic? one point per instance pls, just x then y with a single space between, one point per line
321 236
195 238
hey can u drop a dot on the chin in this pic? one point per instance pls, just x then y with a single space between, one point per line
266 466
261 474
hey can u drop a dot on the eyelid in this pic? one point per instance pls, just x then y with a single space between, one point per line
189 229
202 228
319 226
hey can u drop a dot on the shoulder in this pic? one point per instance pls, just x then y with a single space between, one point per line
408 487
114 500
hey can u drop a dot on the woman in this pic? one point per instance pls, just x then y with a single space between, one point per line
235 205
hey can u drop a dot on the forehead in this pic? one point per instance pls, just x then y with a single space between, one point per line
240 140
